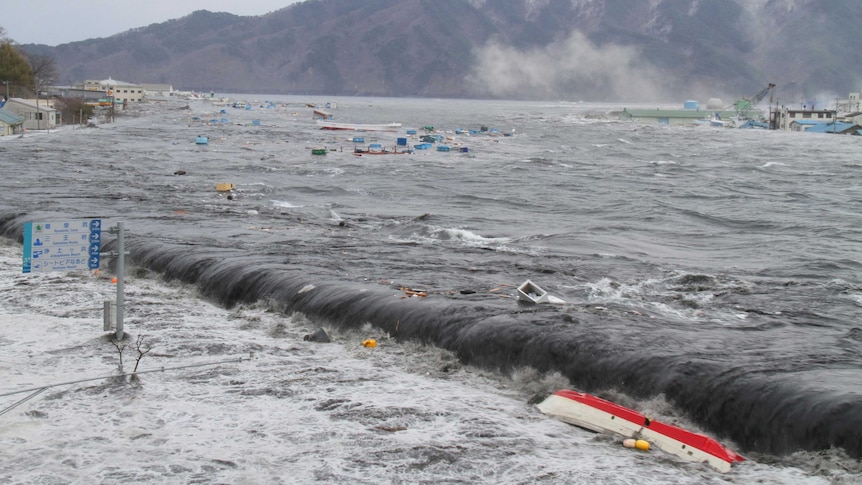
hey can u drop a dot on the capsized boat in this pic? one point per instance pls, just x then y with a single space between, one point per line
599 415
331 125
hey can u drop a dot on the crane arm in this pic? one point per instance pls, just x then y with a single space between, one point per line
760 95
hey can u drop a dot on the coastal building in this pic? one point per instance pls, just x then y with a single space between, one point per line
835 127
853 104
121 91
692 114
783 118
158 90
10 123
37 114
855 118
846 118
73 92
673 116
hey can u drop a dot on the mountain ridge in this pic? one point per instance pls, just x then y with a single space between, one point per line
598 50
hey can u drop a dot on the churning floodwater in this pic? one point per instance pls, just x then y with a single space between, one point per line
710 278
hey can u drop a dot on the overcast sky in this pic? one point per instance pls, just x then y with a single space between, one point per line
55 22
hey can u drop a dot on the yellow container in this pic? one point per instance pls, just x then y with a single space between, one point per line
224 187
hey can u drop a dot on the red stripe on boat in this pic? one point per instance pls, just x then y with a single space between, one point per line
695 440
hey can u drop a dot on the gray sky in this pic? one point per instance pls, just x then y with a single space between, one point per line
55 22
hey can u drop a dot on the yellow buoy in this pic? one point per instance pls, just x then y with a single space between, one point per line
370 343
638 444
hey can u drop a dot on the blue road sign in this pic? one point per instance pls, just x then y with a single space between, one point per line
62 246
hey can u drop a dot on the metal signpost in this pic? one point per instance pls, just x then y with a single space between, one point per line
71 246
121 270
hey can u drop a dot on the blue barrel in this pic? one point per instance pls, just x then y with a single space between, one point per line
402 142
411 132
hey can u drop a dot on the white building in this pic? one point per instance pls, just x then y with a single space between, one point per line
120 90
853 104
158 90
855 118
36 113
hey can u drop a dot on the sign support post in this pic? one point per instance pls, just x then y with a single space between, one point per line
121 270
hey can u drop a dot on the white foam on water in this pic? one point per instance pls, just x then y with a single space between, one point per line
290 411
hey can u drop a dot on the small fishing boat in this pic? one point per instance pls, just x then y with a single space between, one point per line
331 125
596 414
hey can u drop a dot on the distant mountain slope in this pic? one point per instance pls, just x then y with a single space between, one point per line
626 50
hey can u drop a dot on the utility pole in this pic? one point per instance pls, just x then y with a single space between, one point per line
38 118
835 117
121 270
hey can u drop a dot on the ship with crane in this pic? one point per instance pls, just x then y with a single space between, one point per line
745 109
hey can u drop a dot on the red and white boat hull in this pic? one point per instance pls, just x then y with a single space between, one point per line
599 415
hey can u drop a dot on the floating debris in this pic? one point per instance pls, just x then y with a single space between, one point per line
319 335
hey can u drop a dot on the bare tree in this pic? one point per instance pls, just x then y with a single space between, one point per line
120 348
142 351
44 68
74 109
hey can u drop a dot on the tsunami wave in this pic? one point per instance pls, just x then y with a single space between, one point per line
767 407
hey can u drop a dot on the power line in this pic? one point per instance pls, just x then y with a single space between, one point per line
38 390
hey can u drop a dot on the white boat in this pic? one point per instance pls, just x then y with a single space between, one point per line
714 121
331 125
599 415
